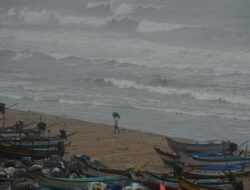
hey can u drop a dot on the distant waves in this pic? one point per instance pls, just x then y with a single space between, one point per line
76 81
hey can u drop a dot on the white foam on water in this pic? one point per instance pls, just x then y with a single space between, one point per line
208 94
150 26
11 95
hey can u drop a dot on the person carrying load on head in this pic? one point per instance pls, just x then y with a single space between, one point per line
116 117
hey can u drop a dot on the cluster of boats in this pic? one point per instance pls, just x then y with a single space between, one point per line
38 158
220 164
32 158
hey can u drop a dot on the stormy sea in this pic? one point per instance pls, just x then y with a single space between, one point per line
170 67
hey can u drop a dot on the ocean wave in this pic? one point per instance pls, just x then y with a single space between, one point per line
69 101
150 26
93 4
93 14
6 54
207 94
37 17
45 98
11 95
97 9
234 116
164 12
86 20
80 102
20 54
53 17
122 24
188 112
39 88
14 84
27 54
122 9
199 36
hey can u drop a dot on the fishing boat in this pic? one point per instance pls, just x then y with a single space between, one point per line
226 158
212 172
31 144
44 137
13 152
187 185
92 171
13 132
171 182
77 183
211 146
37 144
168 158
171 158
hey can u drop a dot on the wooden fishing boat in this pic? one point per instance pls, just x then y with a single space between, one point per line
224 167
212 172
17 126
168 158
171 182
226 158
185 159
44 137
92 171
13 132
31 144
77 183
188 185
12 152
213 146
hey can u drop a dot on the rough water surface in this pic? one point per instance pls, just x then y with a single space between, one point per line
178 68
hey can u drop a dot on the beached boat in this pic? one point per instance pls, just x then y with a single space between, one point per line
77 183
37 145
212 172
185 159
12 152
92 171
31 144
213 146
13 132
171 182
188 185
216 159
168 158
149 179
44 137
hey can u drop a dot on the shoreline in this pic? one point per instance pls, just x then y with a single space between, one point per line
127 149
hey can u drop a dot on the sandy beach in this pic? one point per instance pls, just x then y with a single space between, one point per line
124 150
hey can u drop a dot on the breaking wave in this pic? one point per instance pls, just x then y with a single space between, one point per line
207 94
150 26
26 54
222 69
196 36
55 17
11 95
192 113
122 24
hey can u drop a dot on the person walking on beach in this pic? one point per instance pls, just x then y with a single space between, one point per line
116 117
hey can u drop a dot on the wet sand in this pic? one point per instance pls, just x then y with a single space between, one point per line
123 150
